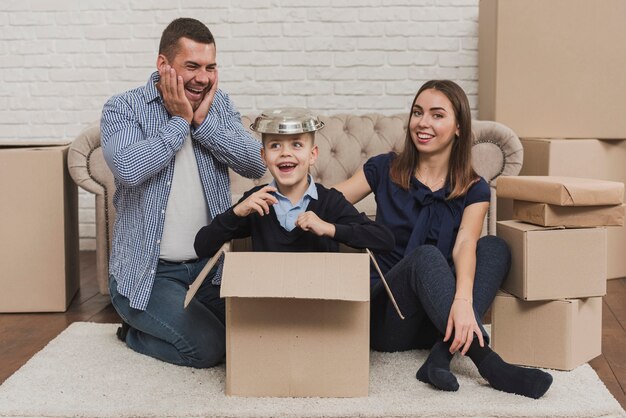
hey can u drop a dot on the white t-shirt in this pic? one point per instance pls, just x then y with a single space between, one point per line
187 210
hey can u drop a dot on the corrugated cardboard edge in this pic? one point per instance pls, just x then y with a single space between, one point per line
544 214
193 289
382 277
299 275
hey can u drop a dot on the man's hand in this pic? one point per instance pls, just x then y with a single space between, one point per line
200 114
259 202
173 92
309 221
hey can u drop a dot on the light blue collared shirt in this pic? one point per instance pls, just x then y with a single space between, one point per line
286 212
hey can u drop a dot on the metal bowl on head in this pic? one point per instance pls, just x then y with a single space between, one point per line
290 120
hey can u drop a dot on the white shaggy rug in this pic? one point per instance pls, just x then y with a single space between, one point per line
87 372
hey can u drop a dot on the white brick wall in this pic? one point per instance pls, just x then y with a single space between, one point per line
60 60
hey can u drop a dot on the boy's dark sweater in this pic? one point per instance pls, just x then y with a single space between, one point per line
351 228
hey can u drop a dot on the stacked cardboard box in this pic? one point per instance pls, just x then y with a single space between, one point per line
552 70
551 315
38 228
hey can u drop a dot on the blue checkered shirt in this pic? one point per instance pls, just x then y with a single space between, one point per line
139 141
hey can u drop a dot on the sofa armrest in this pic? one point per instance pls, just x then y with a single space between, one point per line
497 151
89 170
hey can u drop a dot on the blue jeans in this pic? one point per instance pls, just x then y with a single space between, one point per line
424 285
194 336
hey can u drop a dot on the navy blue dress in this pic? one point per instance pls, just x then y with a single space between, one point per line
417 216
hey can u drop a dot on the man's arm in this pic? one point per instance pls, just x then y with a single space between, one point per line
223 134
132 157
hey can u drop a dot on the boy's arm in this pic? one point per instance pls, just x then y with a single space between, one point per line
224 227
235 222
353 228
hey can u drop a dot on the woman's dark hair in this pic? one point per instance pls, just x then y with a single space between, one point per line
183 27
461 175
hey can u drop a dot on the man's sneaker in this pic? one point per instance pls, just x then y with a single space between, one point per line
122 331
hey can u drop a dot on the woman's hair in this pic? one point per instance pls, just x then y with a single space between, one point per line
461 175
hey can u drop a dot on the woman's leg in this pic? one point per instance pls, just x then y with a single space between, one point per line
417 330
492 264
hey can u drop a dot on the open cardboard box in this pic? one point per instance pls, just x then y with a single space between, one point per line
297 324
554 263
559 334
38 228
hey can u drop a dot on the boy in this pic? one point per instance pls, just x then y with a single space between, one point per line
292 213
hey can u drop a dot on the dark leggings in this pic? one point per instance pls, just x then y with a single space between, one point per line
424 285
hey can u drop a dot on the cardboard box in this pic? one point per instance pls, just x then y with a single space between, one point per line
568 216
297 324
542 63
554 263
590 158
561 191
38 229
559 334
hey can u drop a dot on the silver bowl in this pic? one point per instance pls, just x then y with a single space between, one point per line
290 120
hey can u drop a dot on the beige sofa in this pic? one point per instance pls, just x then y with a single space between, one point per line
345 143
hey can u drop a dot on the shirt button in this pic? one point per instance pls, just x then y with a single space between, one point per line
169 183
152 271
158 241
162 210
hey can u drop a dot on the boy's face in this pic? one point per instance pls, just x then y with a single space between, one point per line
288 158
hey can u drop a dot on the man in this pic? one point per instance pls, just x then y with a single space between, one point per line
169 145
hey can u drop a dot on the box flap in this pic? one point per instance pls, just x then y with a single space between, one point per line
562 191
332 276
525 227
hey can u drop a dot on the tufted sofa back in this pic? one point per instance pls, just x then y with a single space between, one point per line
345 143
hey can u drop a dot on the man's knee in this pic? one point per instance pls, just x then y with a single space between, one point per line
207 354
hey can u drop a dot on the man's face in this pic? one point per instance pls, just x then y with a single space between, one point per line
195 63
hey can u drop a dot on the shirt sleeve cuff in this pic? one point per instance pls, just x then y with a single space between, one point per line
177 128
342 232
208 127
229 219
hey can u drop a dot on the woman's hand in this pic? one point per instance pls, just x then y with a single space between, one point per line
463 322
259 201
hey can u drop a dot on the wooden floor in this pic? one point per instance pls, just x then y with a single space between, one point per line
22 335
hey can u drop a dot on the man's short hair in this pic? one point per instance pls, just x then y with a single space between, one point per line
183 27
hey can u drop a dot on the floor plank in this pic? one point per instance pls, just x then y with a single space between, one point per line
24 334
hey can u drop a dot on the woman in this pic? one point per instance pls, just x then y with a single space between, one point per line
443 276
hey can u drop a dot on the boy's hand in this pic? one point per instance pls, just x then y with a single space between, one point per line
203 110
173 92
258 201
309 221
